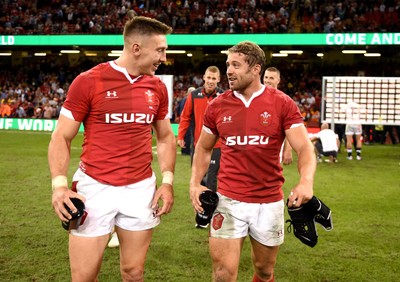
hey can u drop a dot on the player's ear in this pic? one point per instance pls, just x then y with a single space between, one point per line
135 47
257 69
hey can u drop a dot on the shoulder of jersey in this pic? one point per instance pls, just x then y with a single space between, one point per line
279 93
224 94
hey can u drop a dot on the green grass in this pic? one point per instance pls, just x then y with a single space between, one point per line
363 246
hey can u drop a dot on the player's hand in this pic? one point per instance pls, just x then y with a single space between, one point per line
165 193
61 196
300 194
181 143
287 157
195 191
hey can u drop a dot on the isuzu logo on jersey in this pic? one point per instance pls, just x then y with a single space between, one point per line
129 118
246 140
149 97
264 118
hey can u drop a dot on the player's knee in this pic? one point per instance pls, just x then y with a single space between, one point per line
222 273
265 276
132 274
265 273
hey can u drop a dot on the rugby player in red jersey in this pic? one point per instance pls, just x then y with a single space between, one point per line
252 121
119 103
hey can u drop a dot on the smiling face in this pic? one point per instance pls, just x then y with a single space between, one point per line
272 78
211 80
149 53
240 75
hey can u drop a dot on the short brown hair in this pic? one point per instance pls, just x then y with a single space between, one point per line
213 69
254 54
274 69
145 26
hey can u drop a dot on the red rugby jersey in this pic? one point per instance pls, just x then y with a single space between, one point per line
117 111
251 135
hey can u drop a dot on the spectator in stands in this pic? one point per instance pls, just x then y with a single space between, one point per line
47 111
5 109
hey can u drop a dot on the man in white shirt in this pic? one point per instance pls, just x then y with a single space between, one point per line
326 144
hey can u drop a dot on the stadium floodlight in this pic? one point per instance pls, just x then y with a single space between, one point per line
372 54
5 54
354 51
70 51
279 55
298 52
176 51
40 54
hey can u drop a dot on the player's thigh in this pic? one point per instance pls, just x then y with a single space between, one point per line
264 257
225 253
86 254
133 247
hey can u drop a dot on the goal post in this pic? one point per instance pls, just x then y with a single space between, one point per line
378 99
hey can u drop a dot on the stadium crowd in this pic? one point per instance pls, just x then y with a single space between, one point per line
38 90
206 16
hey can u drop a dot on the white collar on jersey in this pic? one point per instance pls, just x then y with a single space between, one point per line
255 94
124 71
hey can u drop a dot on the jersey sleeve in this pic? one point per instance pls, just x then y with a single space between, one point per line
292 113
78 97
164 101
210 117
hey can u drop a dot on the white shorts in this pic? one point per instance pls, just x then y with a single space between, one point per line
128 207
352 129
263 222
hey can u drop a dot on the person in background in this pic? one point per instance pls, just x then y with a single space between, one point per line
193 113
353 128
5 109
251 121
272 77
120 104
326 143
187 149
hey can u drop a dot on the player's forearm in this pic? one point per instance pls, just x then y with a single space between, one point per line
286 146
166 152
58 156
201 161
306 164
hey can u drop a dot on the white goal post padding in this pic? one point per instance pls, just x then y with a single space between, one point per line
378 99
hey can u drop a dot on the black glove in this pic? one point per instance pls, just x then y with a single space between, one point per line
303 224
303 220
321 211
